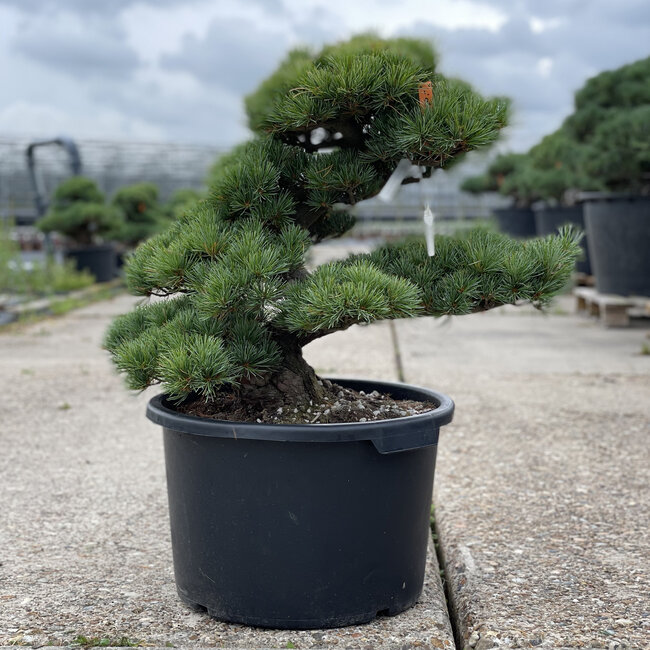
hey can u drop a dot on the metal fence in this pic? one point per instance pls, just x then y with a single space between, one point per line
110 164
173 166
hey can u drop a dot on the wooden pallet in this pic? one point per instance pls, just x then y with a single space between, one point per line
585 280
611 310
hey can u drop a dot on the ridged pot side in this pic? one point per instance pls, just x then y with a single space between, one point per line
618 232
516 222
100 260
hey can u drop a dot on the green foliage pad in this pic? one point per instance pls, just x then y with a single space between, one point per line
236 301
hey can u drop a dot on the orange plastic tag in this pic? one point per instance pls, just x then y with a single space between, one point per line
426 93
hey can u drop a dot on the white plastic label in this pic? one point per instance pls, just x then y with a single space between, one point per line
429 234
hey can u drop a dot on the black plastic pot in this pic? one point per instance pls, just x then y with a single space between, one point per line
549 220
100 260
301 526
618 232
516 222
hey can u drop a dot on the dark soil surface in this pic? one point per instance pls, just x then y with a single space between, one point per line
339 405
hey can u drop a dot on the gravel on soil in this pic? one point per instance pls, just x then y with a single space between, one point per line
339 405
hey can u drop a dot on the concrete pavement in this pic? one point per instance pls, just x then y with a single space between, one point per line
542 480
84 540
540 487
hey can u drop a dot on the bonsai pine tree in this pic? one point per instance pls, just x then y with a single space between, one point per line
609 130
238 303
555 167
78 212
611 91
143 217
619 151
506 174
180 201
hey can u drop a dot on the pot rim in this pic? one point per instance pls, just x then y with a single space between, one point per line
542 208
388 436
92 248
512 208
587 197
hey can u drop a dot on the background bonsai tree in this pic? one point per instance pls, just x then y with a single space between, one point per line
506 174
78 211
239 303
180 201
555 168
603 145
611 91
143 216
608 133
618 154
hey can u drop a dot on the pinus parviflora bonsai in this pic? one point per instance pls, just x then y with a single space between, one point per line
143 215
611 126
79 213
181 201
603 145
238 303
507 174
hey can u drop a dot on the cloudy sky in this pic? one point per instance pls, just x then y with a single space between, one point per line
176 70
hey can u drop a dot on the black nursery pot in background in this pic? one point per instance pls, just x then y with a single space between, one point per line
99 260
516 222
548 220
618 233
301 526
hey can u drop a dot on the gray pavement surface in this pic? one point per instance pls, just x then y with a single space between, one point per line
84 539
542 480
541 487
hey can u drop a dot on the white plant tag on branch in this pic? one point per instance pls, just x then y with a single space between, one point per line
394 182
429 219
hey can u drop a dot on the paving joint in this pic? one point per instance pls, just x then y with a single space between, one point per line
399 368
452 612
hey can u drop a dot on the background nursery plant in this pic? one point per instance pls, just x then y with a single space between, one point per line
143 217
78 211
239 304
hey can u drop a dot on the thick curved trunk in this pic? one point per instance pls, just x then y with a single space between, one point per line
295 383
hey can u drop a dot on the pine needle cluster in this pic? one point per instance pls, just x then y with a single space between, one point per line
230 302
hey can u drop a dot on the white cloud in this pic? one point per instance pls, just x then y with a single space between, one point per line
25 117
81 48
539 25
153 33
177 69
388 16
545 66
235 53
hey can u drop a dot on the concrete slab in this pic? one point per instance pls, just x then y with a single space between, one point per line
542 479
84 540
362 351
